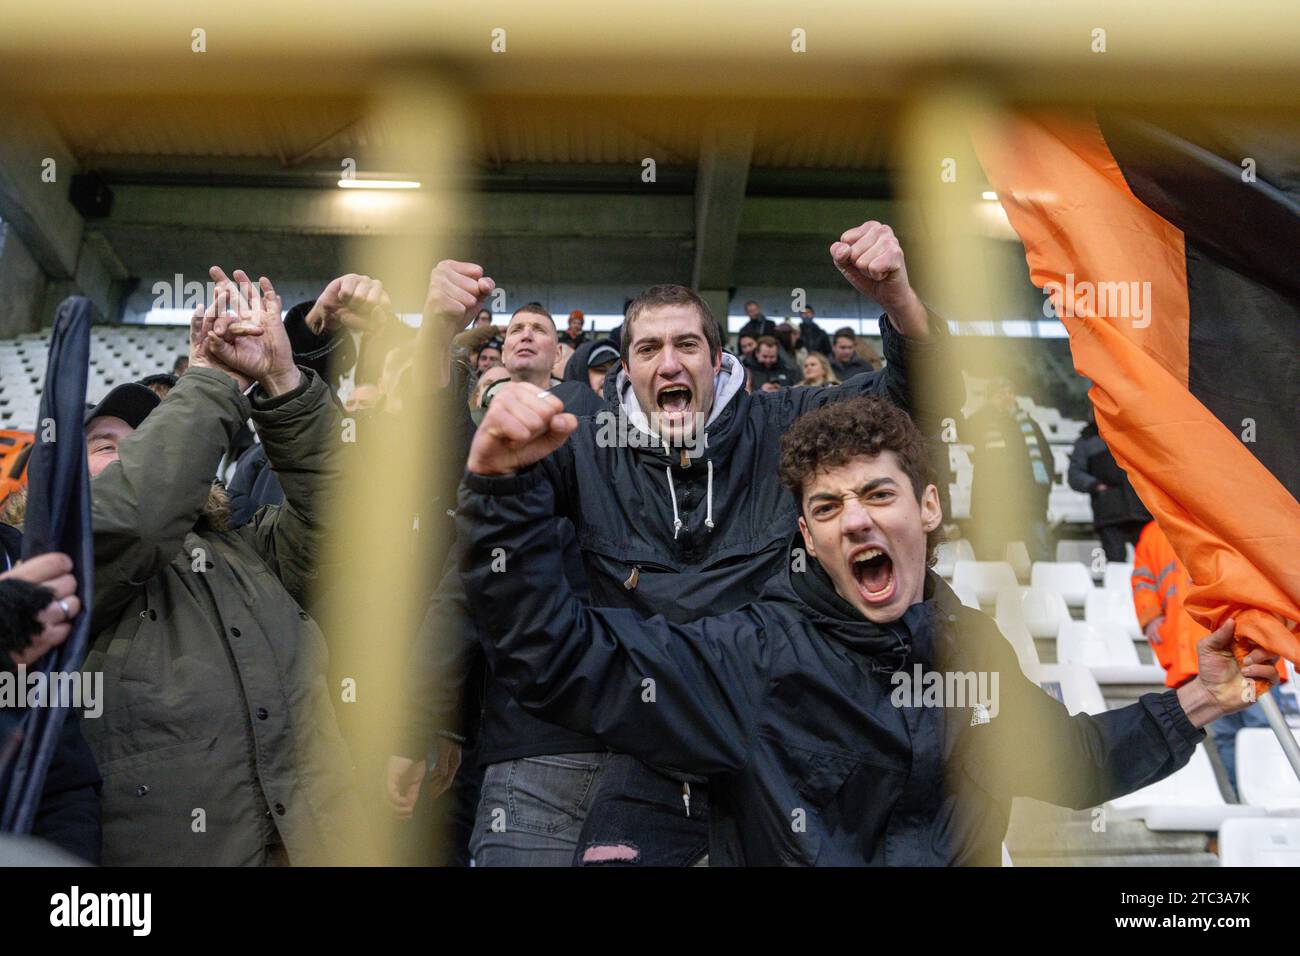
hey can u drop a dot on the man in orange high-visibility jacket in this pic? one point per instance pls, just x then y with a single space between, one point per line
1160 582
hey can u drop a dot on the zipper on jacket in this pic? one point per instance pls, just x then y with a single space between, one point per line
686 796
632 578
686 459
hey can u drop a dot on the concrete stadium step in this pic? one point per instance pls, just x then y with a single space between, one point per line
1150 859
1055 836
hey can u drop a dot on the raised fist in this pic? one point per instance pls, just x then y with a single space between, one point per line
523 425
354 302
871 259
456 292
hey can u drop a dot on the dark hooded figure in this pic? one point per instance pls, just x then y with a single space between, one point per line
1117 512
585 376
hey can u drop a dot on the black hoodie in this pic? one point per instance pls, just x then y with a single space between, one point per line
790 705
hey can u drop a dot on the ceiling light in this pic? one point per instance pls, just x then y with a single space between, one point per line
378 184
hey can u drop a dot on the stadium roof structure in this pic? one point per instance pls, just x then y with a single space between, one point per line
763 125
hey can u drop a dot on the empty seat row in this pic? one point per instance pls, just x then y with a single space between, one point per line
987 578
1107 652
1071 580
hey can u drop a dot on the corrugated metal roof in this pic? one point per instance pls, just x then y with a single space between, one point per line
503 130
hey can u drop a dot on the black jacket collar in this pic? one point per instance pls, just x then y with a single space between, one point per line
918 637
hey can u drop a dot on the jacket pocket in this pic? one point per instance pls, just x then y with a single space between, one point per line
819 777
140 662
840 799
254 579
174 805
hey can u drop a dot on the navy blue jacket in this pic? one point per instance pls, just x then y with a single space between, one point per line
622 507
786 705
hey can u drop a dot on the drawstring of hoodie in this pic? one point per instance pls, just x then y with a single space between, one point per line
708 500
672 496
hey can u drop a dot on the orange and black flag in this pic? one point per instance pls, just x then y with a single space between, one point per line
1170 256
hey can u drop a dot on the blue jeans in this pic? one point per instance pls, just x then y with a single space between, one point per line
640 819
1224 730
531 810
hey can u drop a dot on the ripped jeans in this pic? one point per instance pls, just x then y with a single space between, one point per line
640 818
531 810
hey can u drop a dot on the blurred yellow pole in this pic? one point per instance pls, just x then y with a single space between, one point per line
381 570
954 262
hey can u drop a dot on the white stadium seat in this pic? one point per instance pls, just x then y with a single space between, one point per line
959 457
1111 608
967 596
1066 505
1074 686
1107 652
1118 576
1017 555
1042 612
1070 579
985 578
1061 459
1085 551
959 496
1264 777
118 353
1022 642
1260 841
949 553
1188 799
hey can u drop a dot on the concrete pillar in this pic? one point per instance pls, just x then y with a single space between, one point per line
725 155
22 286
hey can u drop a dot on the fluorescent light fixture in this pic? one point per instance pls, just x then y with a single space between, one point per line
988 194
378 184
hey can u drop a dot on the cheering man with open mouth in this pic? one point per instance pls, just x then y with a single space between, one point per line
785 705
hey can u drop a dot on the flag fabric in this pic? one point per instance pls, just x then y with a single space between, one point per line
57 519
1170 258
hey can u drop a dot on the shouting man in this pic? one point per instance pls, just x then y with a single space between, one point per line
789 706
678 510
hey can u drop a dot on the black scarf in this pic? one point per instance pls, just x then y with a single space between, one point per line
890 647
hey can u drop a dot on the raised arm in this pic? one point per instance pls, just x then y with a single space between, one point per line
302 434
1084 760
915 341
871 260
295 419
681 696
456 291
143 504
